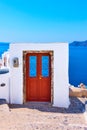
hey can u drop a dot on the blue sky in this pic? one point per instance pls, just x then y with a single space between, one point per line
43 20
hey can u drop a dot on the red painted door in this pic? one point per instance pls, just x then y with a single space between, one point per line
38 77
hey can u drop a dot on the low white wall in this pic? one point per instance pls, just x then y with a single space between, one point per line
61 89
4 90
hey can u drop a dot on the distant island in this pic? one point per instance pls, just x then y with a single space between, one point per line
78 43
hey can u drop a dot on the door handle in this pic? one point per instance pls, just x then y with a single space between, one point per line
40 77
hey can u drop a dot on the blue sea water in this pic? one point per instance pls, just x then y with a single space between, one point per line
3 47
77 65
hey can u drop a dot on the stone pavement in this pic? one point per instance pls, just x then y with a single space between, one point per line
42 116
3 106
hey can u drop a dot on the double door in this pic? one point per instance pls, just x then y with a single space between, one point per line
38 77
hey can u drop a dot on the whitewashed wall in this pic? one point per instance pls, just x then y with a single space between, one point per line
4 90
61 89
5 55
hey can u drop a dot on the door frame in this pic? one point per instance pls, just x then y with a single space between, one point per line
24 72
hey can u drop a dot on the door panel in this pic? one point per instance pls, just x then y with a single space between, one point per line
38 77
45 66
33 66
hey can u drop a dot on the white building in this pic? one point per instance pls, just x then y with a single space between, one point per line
39 72
5 59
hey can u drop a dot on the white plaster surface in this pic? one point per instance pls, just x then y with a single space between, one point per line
61 89
4 91
5 54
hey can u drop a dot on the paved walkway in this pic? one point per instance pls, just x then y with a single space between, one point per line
3 106
42 116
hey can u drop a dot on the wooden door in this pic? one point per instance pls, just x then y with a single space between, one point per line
38 77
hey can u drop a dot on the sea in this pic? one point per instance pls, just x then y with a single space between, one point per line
3 47
77 63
